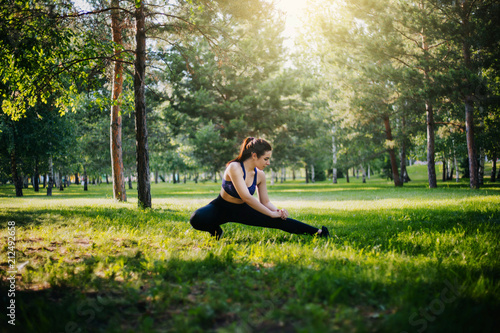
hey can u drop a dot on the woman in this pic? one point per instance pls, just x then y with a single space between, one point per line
235 202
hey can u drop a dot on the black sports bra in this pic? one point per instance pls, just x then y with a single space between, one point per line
228 186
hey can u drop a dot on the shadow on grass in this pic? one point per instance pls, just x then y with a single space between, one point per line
218 292
97 216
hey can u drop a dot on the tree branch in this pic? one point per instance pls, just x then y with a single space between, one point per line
97 11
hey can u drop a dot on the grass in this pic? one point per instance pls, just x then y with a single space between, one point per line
400 260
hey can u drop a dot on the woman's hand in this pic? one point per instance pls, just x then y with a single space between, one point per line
276 214
280 213
283 213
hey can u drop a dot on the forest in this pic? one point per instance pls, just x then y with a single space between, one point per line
124 90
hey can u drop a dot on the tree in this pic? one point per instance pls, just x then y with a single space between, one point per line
119 192
32 140
38 53
431 46
210 150
141 131
223 84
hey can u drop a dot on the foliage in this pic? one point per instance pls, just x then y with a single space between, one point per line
42 56
219 85
402 59
43 133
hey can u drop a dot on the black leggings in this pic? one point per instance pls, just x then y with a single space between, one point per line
220 211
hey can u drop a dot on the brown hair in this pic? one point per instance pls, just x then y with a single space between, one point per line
252 145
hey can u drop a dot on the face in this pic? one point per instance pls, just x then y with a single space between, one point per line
263 161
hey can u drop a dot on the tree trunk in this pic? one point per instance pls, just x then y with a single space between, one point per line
449 168
347 175
272 177
452 170
431 162
334 155
61 185
16 178
392 154
141 132
363 174
404 173
36 177
156 176
51 178
283 175
85 179
468 100
455 164
119 192
482 157
307 174
494 168
313 175
471 149
130 182
77 180
45 181
445 171
55 178
403 163
406 178
369 171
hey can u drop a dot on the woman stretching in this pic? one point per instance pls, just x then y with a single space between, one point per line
236 203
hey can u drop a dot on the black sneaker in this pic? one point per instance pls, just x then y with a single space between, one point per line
218 233
324 232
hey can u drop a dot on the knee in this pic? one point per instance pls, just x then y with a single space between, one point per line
195 220
200 220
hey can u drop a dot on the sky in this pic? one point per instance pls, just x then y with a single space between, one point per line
82 4
294 10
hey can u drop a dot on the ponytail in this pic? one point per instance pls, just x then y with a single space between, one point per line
251 145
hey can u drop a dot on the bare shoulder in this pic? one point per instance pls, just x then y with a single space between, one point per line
261 176
234 169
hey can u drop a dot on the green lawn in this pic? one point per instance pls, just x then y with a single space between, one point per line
400 260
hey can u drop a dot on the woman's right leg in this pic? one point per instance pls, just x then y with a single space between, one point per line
249 216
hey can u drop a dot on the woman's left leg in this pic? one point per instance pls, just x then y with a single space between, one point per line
209 218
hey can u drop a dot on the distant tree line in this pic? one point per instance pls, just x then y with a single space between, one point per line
129 87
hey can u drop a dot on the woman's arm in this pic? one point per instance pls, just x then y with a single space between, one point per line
264 197
236 175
